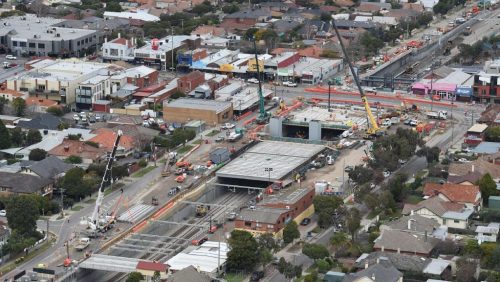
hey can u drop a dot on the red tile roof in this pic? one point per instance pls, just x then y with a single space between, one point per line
30 101
10 92
77 148
106 139
454 192
123 41
152 266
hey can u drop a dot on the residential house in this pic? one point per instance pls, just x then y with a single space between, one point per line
417 224
41 121
88 153
283 27
39 105
475 134
381 271
397 241
315 28
9 94
189 274
469 195
402 14
209 31
488 233
19 184
482 166
148 269
50 168
348 25
121 49
245 19
452 215
373 7
106 137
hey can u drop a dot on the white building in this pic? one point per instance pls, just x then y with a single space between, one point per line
142 15
488 233
207 258
119 49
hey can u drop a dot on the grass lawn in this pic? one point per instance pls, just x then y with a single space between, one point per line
413 199
185 149
89 201
213 133
233 277
142 172
198 141
76 208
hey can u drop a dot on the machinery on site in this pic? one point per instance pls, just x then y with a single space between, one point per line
373 129
263 116
100 222
202 210
171 159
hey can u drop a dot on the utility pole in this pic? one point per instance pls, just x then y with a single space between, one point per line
329 93
172 51
62 201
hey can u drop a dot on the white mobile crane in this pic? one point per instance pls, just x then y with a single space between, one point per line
102 222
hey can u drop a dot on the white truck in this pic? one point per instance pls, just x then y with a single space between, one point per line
82 244
233 137
438 115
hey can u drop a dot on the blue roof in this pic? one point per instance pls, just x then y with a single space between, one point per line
487 148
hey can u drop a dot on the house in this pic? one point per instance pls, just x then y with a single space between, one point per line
475 134
209 258
209 31
488 233
486 86
452 215
106 137
189 274
415 223
373 7
50 168
469 195
9 94
88 153
381 271
39 105
397 241
482 165
148 269
119 49
41 121
17 183
490 115
245 19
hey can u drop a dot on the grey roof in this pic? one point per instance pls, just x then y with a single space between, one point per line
417 223
50 167
96 23
284 25
405 242
199 104
189 274
22 183
42 121
383 271
487 148
261 214
460 215
250 14
354 24
436 266
402 262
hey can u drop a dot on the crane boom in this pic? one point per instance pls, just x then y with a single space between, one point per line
373 122
263 115
107 174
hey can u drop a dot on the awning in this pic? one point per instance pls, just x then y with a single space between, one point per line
486 79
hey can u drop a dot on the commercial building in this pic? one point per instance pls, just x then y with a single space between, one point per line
185 110
487 83
207 258
475 134
243 96
56 80
38 36
119 49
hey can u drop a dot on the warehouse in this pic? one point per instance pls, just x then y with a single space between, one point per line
267 161
185 110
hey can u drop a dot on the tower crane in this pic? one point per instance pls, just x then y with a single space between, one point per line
264 116
373 128
97 222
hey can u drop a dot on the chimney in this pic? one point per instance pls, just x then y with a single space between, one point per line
106 39
66 148
126 42
119 35
412 212
378 260
366 264
472 168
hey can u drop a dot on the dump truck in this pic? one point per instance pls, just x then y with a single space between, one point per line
82 244
438 115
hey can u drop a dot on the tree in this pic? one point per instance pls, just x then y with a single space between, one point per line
229 9
55 110
202 8
250 33
113 7
472 248
361 175
328 203
493 261
397 186
22 214
430 154
34 136
492 134
371 43
487 186
156 277
3 102
4 136
74 184
315 251
244 253
353 222
134 277
265 257
326 17
466 269
73 159
290 232
17 136
37 154
339 240
267 241
18 243
19 106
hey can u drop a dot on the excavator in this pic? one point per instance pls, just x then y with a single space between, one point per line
373 129
102 222
264 116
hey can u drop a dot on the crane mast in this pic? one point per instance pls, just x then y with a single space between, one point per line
263 115
373 128
107 174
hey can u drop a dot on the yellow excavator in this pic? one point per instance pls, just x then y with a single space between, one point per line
373 129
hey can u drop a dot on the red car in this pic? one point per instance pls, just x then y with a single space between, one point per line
196 242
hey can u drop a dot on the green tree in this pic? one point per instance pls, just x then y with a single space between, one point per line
492 134
17 243
73 159
353 222
34 136
323 265
55 110
361 174
290 232
74 184
244 253
113 7
17 137
3 102
472 248
339 240
493 261
326 17
19 106
250 33
371 43
4 136
328 203
487 186
430 154
315 251
397 186
156 277
265 257
37 154
22 214
202 8
134 277
231 8
267 241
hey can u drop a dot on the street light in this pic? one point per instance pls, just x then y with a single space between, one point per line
268 170
329 93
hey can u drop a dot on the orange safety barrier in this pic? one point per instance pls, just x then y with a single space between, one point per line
316 100
249 121
243 116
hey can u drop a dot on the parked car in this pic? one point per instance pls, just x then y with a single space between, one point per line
10 57
253 80
227 126
386 173
76 117
196 242
289 84
219 139
256 276
305 221
3 213
349 168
